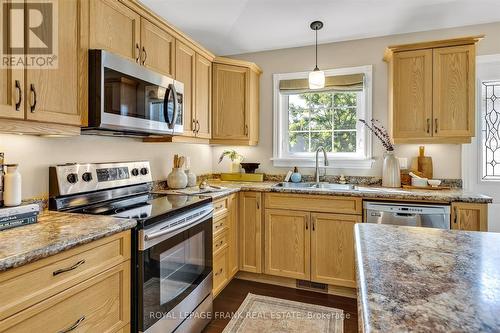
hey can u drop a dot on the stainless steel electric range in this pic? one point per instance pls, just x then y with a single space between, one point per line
171 245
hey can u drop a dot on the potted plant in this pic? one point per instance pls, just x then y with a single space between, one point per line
235 158
391 173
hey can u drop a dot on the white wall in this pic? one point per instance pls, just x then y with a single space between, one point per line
36 154
370 51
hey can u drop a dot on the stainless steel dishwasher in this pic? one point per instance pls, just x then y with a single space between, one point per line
416 215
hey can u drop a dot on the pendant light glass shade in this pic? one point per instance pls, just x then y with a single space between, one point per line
316 79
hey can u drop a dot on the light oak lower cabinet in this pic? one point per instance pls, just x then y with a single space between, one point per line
469 216
46 296
250 225
287 243
332 249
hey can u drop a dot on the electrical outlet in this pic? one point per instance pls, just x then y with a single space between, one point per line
403 162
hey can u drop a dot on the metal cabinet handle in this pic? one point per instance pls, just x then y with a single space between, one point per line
246 130
428 125
63 270
307 225
455 220
145 55
74 326
258 204
197 126
33 92
313 225
137 52
435 125
20 94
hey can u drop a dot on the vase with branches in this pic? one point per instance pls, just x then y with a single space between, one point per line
391 173
235 158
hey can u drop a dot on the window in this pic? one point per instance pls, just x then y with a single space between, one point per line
307 119
490 130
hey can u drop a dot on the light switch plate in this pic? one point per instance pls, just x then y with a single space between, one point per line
403 162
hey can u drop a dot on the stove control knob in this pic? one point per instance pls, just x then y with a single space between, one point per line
72 178
87 177
144 171
135 172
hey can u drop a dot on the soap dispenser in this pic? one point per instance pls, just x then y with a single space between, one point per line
296 176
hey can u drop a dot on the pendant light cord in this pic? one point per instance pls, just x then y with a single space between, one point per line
316 68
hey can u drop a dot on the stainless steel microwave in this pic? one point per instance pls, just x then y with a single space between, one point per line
130 100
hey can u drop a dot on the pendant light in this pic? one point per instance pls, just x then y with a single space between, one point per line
316 77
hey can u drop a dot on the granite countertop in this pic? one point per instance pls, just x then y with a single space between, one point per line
55 232
367 192
427 280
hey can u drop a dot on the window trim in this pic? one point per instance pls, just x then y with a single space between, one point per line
280 125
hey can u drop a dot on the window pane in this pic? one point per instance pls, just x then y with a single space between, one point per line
321 119
491 129
345 99
299 142
345 118
345 142
321 139
317 100
298 118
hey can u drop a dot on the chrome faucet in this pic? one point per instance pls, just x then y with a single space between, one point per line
325 158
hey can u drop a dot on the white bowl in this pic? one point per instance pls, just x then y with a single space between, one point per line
434 182
419 182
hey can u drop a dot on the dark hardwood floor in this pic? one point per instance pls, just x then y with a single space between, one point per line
230 299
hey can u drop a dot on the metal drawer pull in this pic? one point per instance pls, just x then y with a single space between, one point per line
145 55
428 125
64 270
435 125
33 91
74 326
220 206
20 92
138 52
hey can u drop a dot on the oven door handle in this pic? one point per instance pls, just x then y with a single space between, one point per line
148 237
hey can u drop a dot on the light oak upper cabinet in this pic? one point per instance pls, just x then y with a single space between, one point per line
157 49
116 28
203 93
53 95
250 229
432 91
332 237
287 243
469 216
235 102
185 58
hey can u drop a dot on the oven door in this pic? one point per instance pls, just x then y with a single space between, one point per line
175 272
124 96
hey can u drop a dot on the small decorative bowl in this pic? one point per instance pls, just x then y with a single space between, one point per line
250 167
434 182
419 182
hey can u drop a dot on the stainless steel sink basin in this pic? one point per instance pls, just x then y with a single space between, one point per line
315 186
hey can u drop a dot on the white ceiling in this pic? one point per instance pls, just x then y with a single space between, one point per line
240 26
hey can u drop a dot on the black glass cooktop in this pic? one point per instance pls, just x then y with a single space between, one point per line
146 206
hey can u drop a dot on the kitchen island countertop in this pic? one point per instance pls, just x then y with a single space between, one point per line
427 280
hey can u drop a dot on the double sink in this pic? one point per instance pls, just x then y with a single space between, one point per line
317 186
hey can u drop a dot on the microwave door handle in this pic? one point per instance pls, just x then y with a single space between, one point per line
165 105
176 107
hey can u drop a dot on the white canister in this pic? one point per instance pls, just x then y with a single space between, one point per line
191 178
12 186
177 179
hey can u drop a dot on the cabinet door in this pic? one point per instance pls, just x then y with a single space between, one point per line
332 249
250 232
12 94
220 273
54 94
115 27
231 99
203 93
412 94
287 245
233 243
157 48
469 216
454 91
184 72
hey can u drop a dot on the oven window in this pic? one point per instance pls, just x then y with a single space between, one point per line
170 270
180 266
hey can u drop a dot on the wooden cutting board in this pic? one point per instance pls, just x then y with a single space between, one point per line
424 164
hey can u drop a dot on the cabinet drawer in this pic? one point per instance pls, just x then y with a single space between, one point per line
99 304
24 286
220 207
220 224
314 203
220 242
220 271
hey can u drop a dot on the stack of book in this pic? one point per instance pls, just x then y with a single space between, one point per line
11 217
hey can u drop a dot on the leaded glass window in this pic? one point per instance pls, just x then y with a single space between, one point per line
490 128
